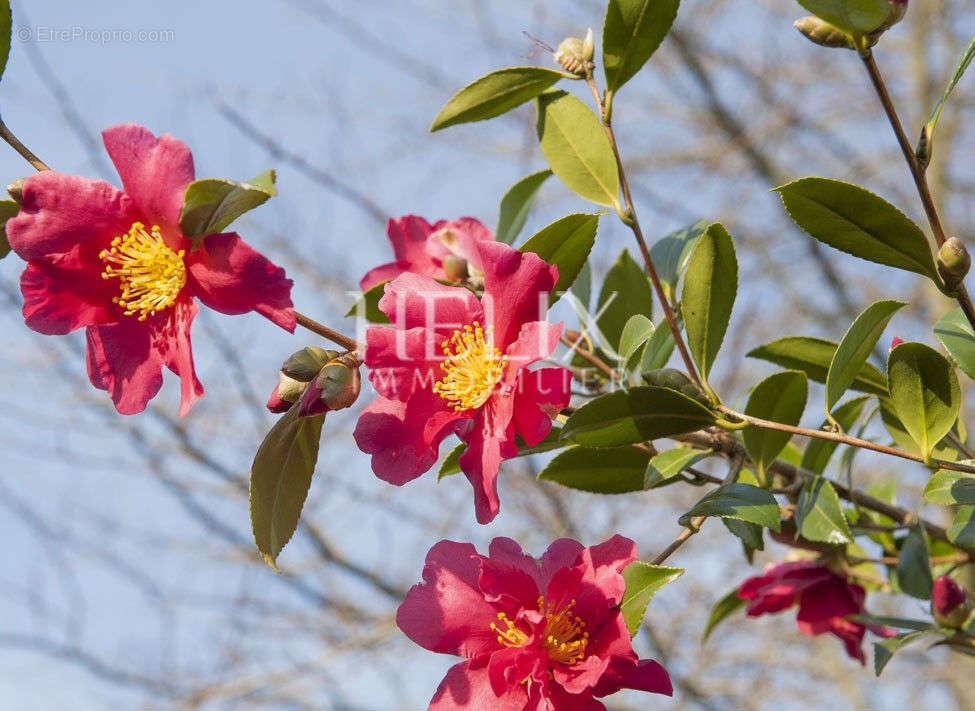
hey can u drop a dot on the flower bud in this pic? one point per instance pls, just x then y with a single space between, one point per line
285 394
953 261
306 363
336 387
823 33
575 55
898 8
16 190
455 268
950 604
896 341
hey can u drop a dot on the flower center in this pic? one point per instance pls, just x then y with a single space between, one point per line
508 634
472 368
565 637
150 274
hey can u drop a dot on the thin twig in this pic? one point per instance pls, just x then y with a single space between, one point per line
326 332
7 135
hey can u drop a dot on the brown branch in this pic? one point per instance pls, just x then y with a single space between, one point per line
325 332
7 135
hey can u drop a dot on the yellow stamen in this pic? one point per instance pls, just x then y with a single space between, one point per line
565 637
509 636
150 274
472 369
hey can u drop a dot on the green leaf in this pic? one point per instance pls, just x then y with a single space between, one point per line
898 622
885 650
368 304
710 287
631 34
741 501
515 204
813 356
924 393
566 243
280 477
6 25
494 94
670 255
781 397
8 209
211 204
451 463
949 487
856 16
750 534
582 286
670 463
625 293
642 583
856 221
914 565
635 415
577 148
956 335
927 135
722 608
599 471
659 349
962 530
819 451
853 351
637 331
819 516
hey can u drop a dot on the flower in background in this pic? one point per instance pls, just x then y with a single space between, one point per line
543 634
825 600
116 263
950 604
445 250
453 363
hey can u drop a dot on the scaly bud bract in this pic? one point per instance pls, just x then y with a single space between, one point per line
455 268
823 33
575 55
306 363
953 261
336 387
16 190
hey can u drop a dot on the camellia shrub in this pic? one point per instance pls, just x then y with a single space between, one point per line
459 343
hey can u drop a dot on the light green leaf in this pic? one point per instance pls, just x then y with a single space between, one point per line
635 415
853 351
566 243
632 31
494 94
659 349
722 608
884 651
741 501
819 451
924 393
710 287
8 209
670 463
927 134
962 530
671 253
781 397
577 148
625 293
856 221
211 204
858 17
948 487
914 565
368 304
643 581
637 331
6 26
819 516
279 481
515 205
599 471
451 463
813 356
956 335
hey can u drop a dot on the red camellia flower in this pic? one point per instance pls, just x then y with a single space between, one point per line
422 248
537 635
454 363
824 598
950 604
117 263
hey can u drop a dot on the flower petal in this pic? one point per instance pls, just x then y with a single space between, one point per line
122 360
645 675
62 293
516 288
467 688
541 394
171 338
384 272
489 441
402 362
231 277
411 300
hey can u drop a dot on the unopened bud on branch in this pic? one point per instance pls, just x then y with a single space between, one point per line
824 34
898 8
575 55
953 261
951 606
455 268
336 387
16 190
306 363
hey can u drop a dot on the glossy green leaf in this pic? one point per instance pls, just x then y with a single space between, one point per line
8 209
884 651
927 134
643 581
515 205
582 286
924 393
577 148
211 204
856 221
710 287
635 415
279 481
858 342
818 452
6 26
956 335
599 471
750 535
367 305
670 463
858 17
741 501
948 487
670 255
659 349
722 608
819 516
781 397
813 356
566 243
494 94
637 331
632 31
451 463
962 530
914 565
625 293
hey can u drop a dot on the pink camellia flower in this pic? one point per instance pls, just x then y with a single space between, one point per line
117 263
824 598
453 363
536 635
950 604
422 248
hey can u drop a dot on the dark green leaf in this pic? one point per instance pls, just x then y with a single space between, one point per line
962 531
956 335
741 501
635 415
599 471
211 204
949 487
367 305
515 204
813 356
577 148
566 243
494 94
722 608
451 463
582 286
710 287
858 17
924 393
632 31
280 477
625 293
856 221
897 622
749 533
670 254
885 650
818 452
8 209
819 516
781 397
642 583
914 565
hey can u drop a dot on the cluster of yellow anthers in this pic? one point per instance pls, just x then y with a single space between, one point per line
150 274
472 369
564 638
